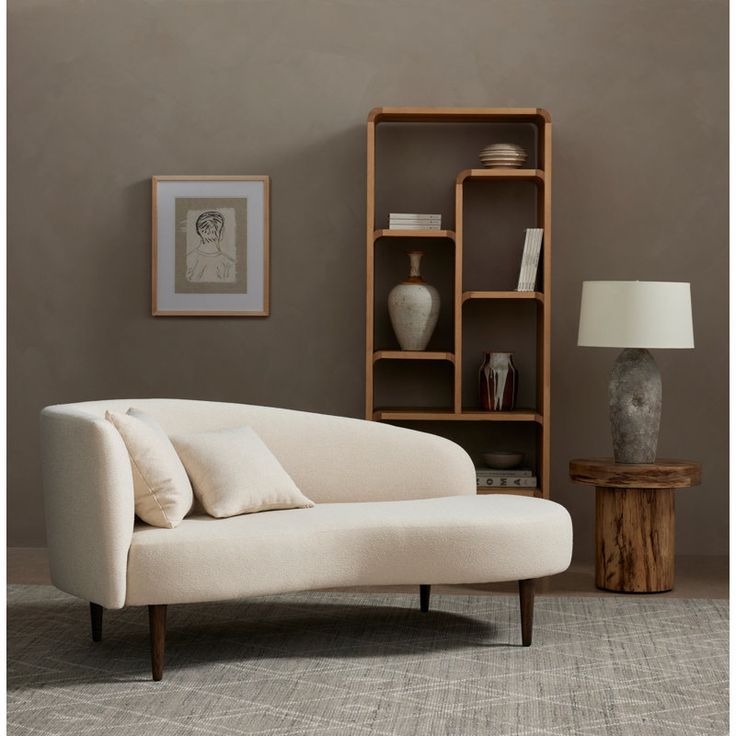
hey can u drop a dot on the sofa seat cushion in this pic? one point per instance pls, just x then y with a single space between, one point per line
458 539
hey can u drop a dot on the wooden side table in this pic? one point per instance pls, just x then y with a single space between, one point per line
635 520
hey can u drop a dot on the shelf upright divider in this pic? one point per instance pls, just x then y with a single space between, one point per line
370 246
458 300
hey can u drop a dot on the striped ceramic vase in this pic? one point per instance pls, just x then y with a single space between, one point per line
499 382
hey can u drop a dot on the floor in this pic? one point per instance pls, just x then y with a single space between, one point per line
697 577
370 664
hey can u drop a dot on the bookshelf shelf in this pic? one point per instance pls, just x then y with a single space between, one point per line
425 168
535 492
503 295
535 175
411 355
402 414
413 234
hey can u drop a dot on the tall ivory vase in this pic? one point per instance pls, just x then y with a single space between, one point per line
414 306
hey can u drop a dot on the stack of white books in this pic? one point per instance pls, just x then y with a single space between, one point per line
516 478
530 259
412 221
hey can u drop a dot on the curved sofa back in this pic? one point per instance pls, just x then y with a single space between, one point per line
89 491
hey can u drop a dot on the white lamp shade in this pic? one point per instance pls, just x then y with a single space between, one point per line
636 314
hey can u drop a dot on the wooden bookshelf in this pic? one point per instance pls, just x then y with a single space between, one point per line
440 178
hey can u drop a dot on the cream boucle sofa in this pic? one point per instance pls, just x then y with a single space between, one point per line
393 506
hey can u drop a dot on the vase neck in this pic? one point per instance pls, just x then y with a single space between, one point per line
415 260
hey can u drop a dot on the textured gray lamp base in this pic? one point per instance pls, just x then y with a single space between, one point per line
635 406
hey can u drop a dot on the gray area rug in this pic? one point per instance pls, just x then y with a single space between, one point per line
329 664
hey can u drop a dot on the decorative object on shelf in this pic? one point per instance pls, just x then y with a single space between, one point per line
504 460
210 246
498 382
503 156
414 306
635 315
410 221
530 259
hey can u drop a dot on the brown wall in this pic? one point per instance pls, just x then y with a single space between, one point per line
102 95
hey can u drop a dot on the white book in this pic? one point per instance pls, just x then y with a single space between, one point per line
399 223
530 259
524 260
411 215
401 226
534 261
415 221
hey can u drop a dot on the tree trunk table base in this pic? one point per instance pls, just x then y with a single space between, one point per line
635 521
634 539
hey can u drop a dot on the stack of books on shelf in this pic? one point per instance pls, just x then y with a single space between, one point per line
411 221
530 259
516 478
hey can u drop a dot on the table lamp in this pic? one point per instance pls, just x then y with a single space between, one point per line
635 315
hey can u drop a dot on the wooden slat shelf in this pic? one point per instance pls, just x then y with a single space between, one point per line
447 415
536 175
485 491
412 355
538 295
414 234
458 115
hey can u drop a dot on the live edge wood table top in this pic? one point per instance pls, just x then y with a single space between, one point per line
635 520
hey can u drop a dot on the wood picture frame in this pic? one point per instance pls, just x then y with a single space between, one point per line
210 246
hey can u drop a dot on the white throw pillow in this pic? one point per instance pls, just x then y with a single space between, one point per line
163 493
233 472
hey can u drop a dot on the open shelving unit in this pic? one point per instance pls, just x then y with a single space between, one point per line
418 162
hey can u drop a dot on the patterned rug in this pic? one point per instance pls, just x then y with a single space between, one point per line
337 664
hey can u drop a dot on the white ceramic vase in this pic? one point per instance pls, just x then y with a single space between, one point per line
414 307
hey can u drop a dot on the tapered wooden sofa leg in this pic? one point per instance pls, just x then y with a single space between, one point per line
95 614
157 625
526 604
424 591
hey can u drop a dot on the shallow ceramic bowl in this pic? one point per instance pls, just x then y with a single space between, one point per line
503 459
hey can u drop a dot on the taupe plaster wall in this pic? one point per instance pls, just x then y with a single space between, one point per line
104 94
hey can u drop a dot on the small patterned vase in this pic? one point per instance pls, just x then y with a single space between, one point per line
499 382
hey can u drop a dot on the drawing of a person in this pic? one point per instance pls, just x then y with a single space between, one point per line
207 262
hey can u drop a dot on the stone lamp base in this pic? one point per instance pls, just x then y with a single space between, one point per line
635 406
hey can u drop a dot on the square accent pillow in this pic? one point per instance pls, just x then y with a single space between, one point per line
233 472
163 493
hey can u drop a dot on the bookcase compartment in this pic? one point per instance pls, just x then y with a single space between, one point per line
502 326
481 437
416 163
496 215
420 384
392 267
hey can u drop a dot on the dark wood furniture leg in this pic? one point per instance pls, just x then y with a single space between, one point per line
526 604
95 614
157 625
424 591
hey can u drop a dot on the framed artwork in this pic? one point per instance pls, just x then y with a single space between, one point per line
210 246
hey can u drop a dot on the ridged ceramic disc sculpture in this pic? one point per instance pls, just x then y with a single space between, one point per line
414 306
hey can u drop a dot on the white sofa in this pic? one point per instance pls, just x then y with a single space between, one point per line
393 506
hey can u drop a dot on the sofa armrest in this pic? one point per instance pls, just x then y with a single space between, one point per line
89 504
